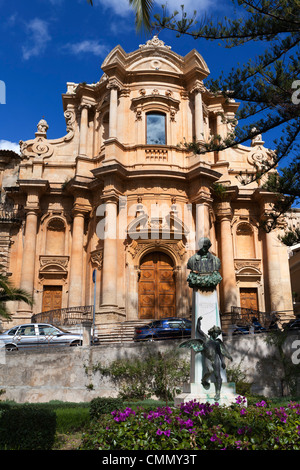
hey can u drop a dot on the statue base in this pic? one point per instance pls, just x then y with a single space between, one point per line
195 391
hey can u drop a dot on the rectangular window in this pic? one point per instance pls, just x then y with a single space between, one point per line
156 129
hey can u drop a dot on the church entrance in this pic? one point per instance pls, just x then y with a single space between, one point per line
157 290
52 296
249 299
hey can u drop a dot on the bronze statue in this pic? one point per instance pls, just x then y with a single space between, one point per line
213 350
204 267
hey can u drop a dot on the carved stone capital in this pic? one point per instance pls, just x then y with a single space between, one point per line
97 258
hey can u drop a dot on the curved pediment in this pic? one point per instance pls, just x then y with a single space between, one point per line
155 56
152 63
168 227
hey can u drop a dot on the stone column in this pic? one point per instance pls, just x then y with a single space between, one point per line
199 124
228 284
110 254
83 129
113 109
202 221
278 275
28 262
76 266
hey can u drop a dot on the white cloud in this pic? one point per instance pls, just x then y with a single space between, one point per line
7 145
122 7
189 5
37 30
88 46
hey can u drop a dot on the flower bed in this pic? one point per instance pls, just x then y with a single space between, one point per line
196 426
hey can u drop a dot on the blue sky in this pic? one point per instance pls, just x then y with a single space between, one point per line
47 43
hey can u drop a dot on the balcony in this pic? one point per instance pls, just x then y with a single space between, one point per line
10 215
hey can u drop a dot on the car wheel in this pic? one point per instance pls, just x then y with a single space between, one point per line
11 347
76 343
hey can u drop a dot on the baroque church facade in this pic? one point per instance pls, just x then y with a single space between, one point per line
113 210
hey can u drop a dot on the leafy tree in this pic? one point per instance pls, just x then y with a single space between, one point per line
9 293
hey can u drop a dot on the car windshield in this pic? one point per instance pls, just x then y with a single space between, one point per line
13 331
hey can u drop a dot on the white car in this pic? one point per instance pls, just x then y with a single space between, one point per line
37 334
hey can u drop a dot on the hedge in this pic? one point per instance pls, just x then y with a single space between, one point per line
27 427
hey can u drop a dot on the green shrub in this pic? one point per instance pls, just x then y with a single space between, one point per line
100 406
154 374
196 426
27 427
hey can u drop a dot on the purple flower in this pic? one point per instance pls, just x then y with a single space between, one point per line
120 416
261 404
167 433
240 400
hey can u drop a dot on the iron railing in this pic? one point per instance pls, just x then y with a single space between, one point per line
65 316
241 316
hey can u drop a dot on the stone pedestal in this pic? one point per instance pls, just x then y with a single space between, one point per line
205 304
195 391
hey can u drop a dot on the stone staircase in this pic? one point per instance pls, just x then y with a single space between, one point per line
121 332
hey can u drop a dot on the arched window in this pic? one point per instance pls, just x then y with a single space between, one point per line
55 238
245 241
156 128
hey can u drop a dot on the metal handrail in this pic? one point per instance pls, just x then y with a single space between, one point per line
65 316
242 316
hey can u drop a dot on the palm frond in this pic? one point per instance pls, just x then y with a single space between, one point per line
142 10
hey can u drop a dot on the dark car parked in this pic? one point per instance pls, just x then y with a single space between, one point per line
292 324
166 328
245 330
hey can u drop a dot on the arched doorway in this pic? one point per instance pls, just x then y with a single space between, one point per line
157 291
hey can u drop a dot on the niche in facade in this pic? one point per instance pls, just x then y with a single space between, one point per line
245 241
55 237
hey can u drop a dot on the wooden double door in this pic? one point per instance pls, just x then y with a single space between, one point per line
249 298
157 289
52 296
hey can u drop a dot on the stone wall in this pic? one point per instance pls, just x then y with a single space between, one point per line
41 376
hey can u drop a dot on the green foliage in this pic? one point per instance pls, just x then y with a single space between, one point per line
27 427
236 375
155 374
291 237
10 293
102 405
196 426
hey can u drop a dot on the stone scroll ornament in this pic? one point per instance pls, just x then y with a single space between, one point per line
204 267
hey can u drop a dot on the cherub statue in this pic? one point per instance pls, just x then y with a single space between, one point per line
213 351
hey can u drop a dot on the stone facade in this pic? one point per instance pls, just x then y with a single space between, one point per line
120 195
